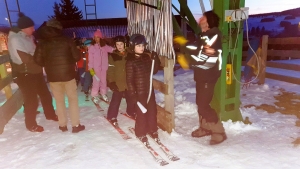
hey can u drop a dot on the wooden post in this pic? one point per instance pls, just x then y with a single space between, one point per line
3 74
169 80
264 54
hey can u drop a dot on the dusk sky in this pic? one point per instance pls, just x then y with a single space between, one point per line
39 10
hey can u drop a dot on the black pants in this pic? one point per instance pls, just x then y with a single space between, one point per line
146 122
114 104
204 95
32 85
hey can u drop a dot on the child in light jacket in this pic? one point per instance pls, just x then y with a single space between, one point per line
98 65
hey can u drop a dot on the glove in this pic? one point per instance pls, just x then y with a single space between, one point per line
209 51
113 86
154 55
92 72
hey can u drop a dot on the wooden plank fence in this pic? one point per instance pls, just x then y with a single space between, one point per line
13 101
283 54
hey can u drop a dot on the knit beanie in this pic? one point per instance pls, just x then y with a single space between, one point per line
54 23
24 21
98 33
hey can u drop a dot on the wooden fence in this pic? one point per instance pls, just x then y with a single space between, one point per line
283 54
13 101
165 115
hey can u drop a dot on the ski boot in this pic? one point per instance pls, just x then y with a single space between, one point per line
96 100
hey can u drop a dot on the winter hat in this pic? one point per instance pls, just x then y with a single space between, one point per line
24 21
98 33
120 39
137 39
54 23
87 43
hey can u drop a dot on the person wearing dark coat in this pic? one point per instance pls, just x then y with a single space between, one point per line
58 55
207 64
116 77
138 70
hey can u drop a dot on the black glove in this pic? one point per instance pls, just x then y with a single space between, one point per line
154 55
113 86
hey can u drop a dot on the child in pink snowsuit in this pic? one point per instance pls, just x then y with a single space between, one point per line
98 61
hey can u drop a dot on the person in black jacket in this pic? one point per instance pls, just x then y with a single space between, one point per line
138 70
58 54
207 63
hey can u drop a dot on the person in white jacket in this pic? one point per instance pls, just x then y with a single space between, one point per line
28 75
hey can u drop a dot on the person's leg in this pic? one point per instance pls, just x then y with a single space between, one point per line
204 95
130 110
95 87
87 81
151 115
71 90
103 84
114 105
58 91
210 123
80 72
141 118
27 85
46 98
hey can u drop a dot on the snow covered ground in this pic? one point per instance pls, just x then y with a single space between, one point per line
267 143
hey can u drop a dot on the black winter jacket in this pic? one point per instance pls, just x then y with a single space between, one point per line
209 75
58 54
138 74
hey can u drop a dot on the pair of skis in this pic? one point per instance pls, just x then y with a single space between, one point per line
116 126
155 155
161 161
119 130
167 152
99 108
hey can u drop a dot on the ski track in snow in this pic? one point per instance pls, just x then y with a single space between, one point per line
266 143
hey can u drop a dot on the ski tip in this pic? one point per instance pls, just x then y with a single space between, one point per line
163 163
175 159
127 137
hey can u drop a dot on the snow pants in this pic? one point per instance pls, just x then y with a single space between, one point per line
32 86
114 105
146 122
80 71
99 85
204 95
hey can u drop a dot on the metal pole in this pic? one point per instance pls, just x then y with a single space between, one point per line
9 20
202 6
183 24
18 5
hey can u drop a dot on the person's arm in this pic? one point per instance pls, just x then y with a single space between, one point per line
18 52
75 52
154 56
111 74
91 58
130 77
109 49
111 69
38 56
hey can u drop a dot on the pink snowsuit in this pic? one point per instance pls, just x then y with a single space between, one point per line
98 60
